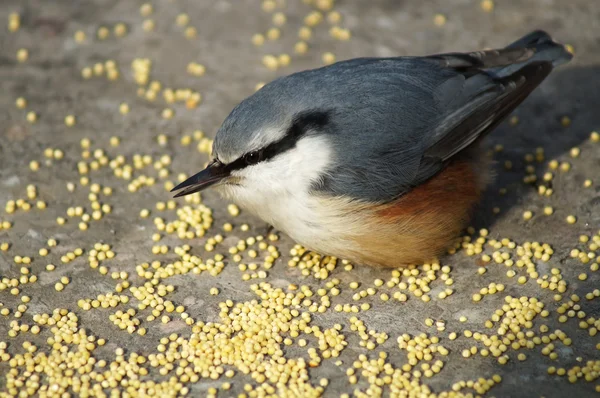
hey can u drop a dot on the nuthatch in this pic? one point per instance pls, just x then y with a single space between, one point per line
374 160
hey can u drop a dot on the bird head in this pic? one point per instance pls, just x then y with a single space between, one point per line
271 141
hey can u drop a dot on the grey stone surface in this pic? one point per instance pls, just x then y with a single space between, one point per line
52 84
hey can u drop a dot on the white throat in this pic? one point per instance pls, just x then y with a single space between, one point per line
278 191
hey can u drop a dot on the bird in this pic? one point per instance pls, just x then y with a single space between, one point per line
377 161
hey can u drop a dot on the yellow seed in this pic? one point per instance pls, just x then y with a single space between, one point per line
114 141
80 36
571 219
271 62
305 33
21 103
167 113
146 9
273 34
334 17
269 5
31 117
182 20
70 120
233 210
575 152
527 215
548 210
258 39
595 136
314 18
120 29
14 22
487 5
148 25
124 108
439 20
328 58
284 59
190 32
103 32
22 55
301 47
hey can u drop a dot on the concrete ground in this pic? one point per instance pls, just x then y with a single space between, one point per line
51 82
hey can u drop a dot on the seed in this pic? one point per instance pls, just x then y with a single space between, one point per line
273 34
301 47
31 117
284 60
328 58
575 152
120 29
22 55
146 9
233 210
124 108
439 20
305 33
258 39
102 33
70 120
148 25
487 5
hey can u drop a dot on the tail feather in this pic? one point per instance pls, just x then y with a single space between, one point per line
536 46
543 48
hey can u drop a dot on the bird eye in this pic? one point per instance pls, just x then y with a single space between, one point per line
253 157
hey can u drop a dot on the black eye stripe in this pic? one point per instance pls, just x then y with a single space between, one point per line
302 123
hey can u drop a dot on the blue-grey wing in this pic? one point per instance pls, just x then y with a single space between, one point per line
408 117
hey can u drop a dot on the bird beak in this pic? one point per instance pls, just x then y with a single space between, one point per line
212 174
